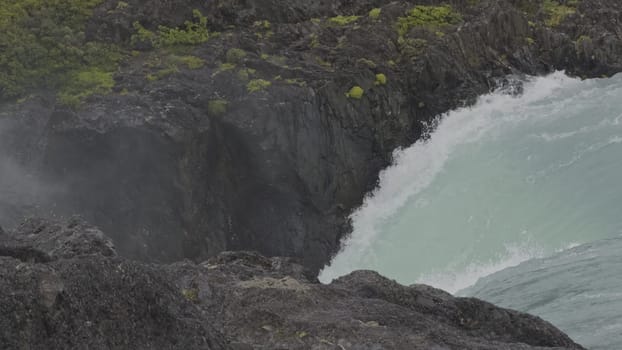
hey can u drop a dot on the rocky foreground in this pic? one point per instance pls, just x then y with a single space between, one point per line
64 287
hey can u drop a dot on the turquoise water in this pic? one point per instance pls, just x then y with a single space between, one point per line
578 290
511 179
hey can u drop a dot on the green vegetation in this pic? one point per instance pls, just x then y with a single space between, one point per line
381 79
428 16
315 41
191 295
195 32
530 41
192 62
265 24
225 67
43 46
162 73
217 107
296 81
84 84
411 47
245 73
343 20
557 12
582 44
257 85
375 13
356 92
323 63
235 55
366 62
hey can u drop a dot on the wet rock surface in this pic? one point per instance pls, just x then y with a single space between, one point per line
89 298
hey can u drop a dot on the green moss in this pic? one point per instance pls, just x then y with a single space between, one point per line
245 73
296 81
257 85
162 73
381 79
530 41
356 92
375 13
217 107
411 47
192 62
226 66
265 24
86 83
583 39
315 41
235 55
191 295
557 12
582 44
194 32
366 62
264 56
323 63
428 16
343 20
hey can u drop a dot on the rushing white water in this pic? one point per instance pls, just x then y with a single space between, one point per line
510 179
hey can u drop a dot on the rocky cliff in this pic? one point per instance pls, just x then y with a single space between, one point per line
237 125
64 287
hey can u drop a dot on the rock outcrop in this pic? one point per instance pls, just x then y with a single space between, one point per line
256 146
71 291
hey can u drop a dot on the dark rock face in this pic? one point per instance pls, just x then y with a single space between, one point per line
89 298
278 170
63 288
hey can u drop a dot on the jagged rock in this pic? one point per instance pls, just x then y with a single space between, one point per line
46 240
236 300
82 297
268 303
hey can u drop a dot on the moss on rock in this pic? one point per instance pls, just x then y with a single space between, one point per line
356 92
428 16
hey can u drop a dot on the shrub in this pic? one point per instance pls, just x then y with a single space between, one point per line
556 12
217 107
343 20
374 13
257 85
381 79
245 73
162 73
84 84
194 32
192 62
235 55
428 16
356 92
191 295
